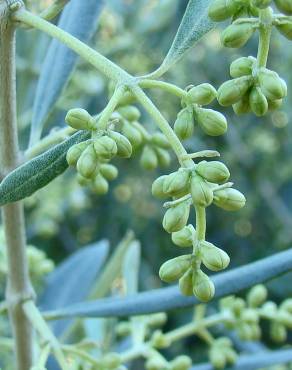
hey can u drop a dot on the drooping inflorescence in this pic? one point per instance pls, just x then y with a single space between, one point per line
253 87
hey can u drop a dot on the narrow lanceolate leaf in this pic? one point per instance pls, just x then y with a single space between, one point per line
194 25
38 172
255 361
79 18
73 279
165 299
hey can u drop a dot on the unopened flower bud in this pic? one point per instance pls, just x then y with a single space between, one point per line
203 286
241 67
230 92
157 187
184 237
130 112
155 363
157 319
201 191
213 123
111 361
202 94
186 283
215 259
275 104
258 102
87 162
217 358
100 185
278 332
229 199
75 152
124 147
181 363
285 29
285 6
176 217
174 269
159 340
132 134
220 10
237 35
176 182
261 4
184 124
250 316
257 295
79 119
105 147
213 171
160 140
108 171
242 106
273 87
163 157
148 160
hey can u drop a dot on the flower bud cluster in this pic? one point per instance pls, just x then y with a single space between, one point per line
222 353
213 123
254 88
157 362
199 186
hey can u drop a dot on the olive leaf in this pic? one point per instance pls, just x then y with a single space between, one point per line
72 280
165 299
79 18
38 172
194 25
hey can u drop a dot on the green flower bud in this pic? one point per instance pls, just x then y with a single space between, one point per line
83 181
258 102
244 331
201 192
256 332
230 355
285 6
202 94
108 171
186 283
285 29
75 152
273 87
203 286
220 10
123 328
270 307
278 332
217 358
130 113
241 67
213 123
223 342
213 171
230 92
215 259
250 316
275 104
159 340
287 305
105 147
237 35
285 318
229 199
111 361
163 157
176 182
238 306
100 185
157 187
176 217
257 295
160 140
174 269
181 363
148 160
184 237
261 4
184 124
155 363
79 119
124 147
242 106
133 135
157 319
87 162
